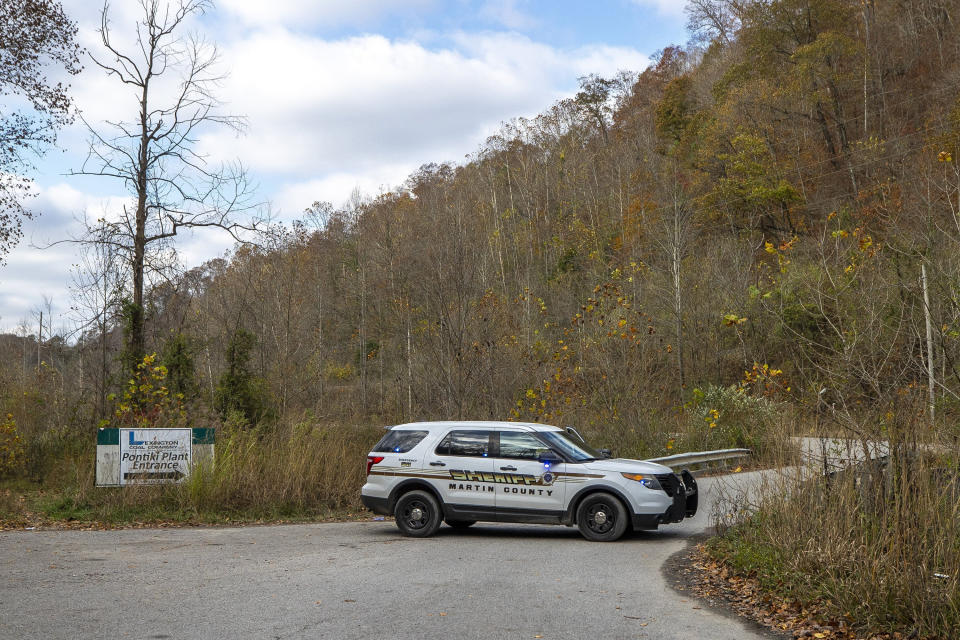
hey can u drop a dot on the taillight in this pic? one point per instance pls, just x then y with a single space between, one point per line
372 460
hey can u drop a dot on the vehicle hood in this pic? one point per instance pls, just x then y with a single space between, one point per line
627 465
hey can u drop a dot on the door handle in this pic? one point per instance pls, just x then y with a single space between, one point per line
438 464
509 468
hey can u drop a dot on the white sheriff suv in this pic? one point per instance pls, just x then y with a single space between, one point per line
423 473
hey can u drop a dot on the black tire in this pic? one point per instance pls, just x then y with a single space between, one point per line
417 514
601 517
460 524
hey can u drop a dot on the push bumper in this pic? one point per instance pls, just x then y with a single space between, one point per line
683 490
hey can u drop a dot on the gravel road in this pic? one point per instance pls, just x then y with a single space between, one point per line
353 580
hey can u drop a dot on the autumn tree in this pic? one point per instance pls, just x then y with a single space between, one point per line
36 39
172 80
593 98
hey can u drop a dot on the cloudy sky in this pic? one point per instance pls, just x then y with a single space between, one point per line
338 95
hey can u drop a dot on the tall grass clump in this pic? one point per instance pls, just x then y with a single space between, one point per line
877 542
297 469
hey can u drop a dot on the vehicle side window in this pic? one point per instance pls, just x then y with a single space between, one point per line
399 441
465 443
521 446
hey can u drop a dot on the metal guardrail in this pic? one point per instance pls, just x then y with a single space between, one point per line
682 460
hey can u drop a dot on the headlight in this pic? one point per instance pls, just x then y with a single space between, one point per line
650 482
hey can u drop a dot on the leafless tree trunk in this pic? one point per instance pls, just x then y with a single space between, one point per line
172 186
929 327
97 284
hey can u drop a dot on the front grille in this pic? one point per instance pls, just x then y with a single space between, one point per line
669 482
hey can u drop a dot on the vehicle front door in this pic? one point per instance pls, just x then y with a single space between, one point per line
527 486
461 469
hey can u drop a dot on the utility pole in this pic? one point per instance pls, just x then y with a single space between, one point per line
39 340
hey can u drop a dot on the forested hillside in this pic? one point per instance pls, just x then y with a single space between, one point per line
758 236
773 206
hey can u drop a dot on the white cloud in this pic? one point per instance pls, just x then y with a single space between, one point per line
672 8
194 247
61 210
41 264
292 198
361 110
507 13
325 115
327 13
357 110
29 276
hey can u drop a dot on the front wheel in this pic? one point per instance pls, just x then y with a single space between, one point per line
601 517
417 514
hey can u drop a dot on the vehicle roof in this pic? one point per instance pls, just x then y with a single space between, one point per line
476 424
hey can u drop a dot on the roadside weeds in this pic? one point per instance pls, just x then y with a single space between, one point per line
718 585
32 510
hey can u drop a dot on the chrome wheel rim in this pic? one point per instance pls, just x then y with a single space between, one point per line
415 515
600 518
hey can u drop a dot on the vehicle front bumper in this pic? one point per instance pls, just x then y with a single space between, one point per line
683 490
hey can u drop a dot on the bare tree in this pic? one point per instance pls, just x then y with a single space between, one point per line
712 20
676 239
97 286
175 187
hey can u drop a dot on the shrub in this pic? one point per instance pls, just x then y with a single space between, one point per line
146 401
729 417
12 455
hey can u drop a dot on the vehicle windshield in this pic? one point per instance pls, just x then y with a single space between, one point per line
563 443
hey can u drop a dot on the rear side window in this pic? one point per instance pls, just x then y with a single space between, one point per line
399 441
465 443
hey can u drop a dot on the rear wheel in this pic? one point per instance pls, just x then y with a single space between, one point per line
417 514
460 524
601 517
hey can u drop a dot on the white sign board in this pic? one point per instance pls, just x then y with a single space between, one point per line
154 456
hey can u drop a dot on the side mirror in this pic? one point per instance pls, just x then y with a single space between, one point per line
605 453
550 457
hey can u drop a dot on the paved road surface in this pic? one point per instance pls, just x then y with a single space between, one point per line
354 580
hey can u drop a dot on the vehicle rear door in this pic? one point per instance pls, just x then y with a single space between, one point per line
461 469
528 486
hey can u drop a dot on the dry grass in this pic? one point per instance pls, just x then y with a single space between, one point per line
296 470
880 542
299 467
